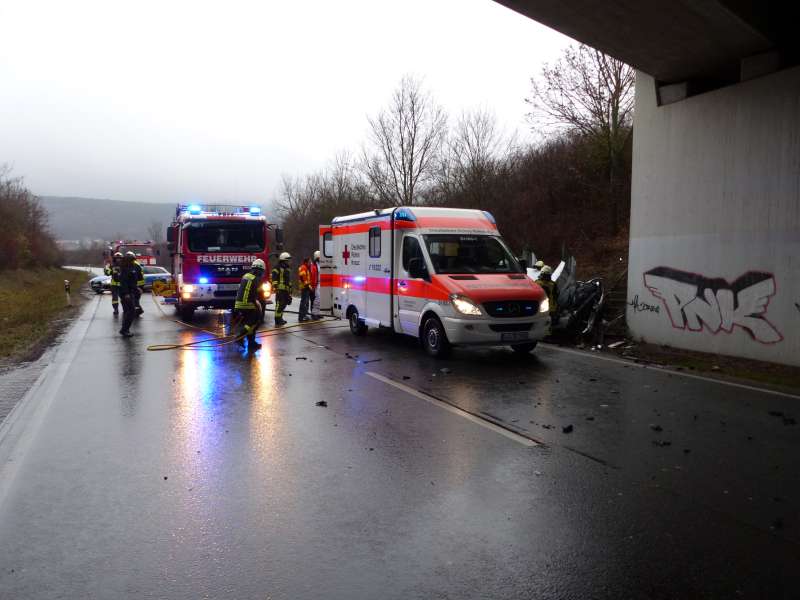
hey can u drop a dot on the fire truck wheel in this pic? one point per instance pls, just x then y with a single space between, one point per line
434 338
524 348
186 313
357 326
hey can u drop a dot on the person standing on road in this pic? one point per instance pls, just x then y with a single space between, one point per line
112 270
282 284
306 291
127 294
139 283
247 306
315 283
551 289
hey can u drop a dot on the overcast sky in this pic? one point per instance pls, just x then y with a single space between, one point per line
167 100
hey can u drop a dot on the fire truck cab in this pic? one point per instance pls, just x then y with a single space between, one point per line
143 250
212 247
442 275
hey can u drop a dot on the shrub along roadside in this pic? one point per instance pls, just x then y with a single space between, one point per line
32 306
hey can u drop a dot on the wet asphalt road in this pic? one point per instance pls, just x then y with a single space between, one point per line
211 474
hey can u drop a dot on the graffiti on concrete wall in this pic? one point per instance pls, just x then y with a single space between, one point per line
694 302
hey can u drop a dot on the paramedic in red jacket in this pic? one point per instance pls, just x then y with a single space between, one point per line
306 291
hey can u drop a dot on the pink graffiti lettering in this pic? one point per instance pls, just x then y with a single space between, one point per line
693 302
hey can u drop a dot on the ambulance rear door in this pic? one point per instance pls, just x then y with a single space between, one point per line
326 268
378 259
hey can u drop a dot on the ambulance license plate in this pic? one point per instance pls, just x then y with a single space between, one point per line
514 336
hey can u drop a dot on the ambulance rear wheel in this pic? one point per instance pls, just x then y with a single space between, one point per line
434 338
357 326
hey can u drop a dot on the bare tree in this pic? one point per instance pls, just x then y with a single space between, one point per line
590 93
155 231
405 139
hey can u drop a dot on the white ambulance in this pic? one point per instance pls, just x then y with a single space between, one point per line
439 274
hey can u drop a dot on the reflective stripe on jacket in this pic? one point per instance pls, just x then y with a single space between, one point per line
281 278
139 273
247 293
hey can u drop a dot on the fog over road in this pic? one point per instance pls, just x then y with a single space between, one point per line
214 474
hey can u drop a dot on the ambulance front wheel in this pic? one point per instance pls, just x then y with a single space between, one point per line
434 338
357 326
525 348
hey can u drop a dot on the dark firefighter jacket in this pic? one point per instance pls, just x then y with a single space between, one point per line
281 278
113 270
139 273
128 279
248 292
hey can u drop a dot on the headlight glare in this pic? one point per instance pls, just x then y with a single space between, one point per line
188 288
266 287
465 306
544 306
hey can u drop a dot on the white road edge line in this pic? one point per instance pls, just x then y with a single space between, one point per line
20 427
529 443
621 361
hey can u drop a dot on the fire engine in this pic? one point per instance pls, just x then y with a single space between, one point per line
144 251
212 247
442 275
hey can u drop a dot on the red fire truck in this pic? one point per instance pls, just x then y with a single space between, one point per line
212 247
144 251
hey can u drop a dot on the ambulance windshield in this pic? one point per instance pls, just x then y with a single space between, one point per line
456 253
226 236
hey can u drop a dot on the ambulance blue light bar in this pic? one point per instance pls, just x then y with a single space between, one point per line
489 216
404 215
255 210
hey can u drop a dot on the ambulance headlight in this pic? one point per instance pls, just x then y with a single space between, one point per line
465 306
188 288
544 306
266 287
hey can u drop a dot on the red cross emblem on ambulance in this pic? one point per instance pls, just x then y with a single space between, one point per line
345 254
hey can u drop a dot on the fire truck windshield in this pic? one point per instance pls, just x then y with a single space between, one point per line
226 236
456 253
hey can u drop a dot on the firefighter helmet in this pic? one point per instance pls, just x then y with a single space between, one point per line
259 264
316 254
130 254
538 264
117 254
285 256
546 270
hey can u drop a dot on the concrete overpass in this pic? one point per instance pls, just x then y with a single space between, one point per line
714 259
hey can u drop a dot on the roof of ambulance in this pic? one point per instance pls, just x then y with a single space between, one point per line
417 211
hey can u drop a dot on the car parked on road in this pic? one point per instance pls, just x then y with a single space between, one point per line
152 273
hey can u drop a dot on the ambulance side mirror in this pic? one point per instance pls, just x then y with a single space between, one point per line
417 269
171 239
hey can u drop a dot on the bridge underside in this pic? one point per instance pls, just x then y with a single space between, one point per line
702 44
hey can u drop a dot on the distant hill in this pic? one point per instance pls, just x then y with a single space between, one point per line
78 218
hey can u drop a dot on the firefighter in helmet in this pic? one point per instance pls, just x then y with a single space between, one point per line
247 306
306 290
551 289
139 282
127 293
112 270
282 284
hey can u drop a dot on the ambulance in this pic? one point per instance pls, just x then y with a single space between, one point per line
442 275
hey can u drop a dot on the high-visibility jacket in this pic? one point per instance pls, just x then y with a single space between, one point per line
314 274
304 276
281 278
248 292
549 287
139 273
113 271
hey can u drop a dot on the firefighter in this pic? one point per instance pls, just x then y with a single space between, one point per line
315 283
139 282
306 291
112 270
551 289
247 307
282 284
127 293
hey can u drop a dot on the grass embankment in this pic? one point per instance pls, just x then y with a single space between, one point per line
32 303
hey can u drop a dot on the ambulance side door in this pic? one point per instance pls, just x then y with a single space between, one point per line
379 275
326 270
409 291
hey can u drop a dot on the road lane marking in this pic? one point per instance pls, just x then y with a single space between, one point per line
482 421
622 361
20 427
